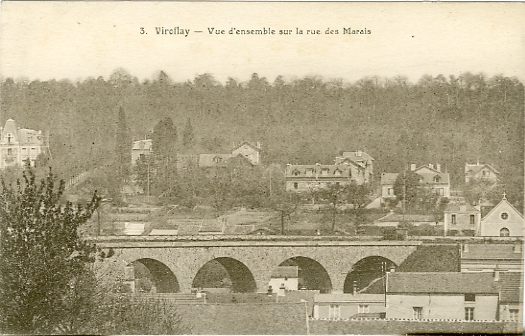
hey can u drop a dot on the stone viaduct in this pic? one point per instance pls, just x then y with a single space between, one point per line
249 262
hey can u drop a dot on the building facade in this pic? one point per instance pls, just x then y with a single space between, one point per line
481 172
442 295
362 159
352 167
431 177
19 145
344 306
462 219
503 221
141 148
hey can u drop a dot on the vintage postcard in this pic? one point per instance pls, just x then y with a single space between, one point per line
261 167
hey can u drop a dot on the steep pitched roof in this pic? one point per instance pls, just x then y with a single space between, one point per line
444 178
358 156
10 127
511 284
145 144
245 318
393 217
441 283
254 146
491 252
474 168
461 208
503 201
300 170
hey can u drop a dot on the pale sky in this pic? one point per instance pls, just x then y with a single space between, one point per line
45 40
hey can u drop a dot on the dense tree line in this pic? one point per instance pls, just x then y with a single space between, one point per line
450 120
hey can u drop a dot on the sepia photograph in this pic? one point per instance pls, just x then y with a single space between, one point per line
261 168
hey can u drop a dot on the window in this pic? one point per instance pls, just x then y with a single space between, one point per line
470 297
296 185
390 191
472 219
469 313
437 179
334 311
453 219
418 313
504 232
513 314
337 172
309 172
441 191
9 151
295 173
504 216
363 309
324 172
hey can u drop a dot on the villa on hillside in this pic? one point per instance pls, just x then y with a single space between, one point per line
18 145
431 177
140 148
482 172
352 167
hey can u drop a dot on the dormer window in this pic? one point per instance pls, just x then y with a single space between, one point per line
437 179
217 159
9 137
337 172
309 172
296 172
324 171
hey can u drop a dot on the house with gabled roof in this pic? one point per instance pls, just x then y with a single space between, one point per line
504 220
431 177
364 160
511 296
462 219
482 172
491 257
19 145
307 178
248 150
442 295
141 148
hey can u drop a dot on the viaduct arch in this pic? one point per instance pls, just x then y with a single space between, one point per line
250 261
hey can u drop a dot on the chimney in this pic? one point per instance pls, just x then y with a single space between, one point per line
431 166
258 145
358 153
282 290
496 275
412 167
270 290
354 288
438 167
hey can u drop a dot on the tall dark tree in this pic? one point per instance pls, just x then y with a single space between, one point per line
165 150
407 187
43 259
123 147
188 136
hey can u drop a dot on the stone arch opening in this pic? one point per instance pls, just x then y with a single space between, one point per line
227 273
152 276
368 272
311 275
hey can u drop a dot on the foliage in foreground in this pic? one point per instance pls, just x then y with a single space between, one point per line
47 277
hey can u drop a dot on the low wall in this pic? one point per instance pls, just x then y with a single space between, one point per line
388 327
